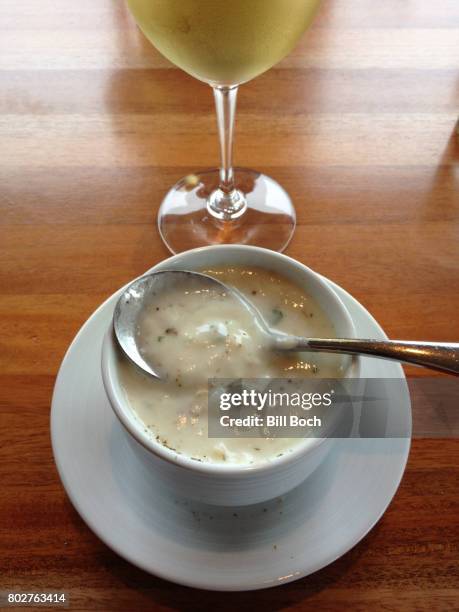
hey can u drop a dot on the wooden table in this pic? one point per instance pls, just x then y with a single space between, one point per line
358 124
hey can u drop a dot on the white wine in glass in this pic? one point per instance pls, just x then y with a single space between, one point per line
225 43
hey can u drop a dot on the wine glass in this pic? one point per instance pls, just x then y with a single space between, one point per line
225 43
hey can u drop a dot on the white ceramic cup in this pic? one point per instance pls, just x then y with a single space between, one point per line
221 484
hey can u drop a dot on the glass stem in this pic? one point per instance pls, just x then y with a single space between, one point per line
225 105
226 202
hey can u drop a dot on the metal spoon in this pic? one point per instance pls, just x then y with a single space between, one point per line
143 292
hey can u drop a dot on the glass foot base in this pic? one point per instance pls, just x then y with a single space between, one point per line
186 220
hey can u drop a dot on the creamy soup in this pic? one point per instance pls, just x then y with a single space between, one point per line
197 335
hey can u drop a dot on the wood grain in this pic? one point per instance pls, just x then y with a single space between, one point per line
358 124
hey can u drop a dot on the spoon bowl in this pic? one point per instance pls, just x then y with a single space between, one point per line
142 294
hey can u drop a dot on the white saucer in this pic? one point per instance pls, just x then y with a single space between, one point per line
202 546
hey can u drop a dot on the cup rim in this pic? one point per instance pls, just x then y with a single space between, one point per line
132 424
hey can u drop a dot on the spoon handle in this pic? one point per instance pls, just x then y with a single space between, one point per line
435 355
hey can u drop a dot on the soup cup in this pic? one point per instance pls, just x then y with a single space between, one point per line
223 484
